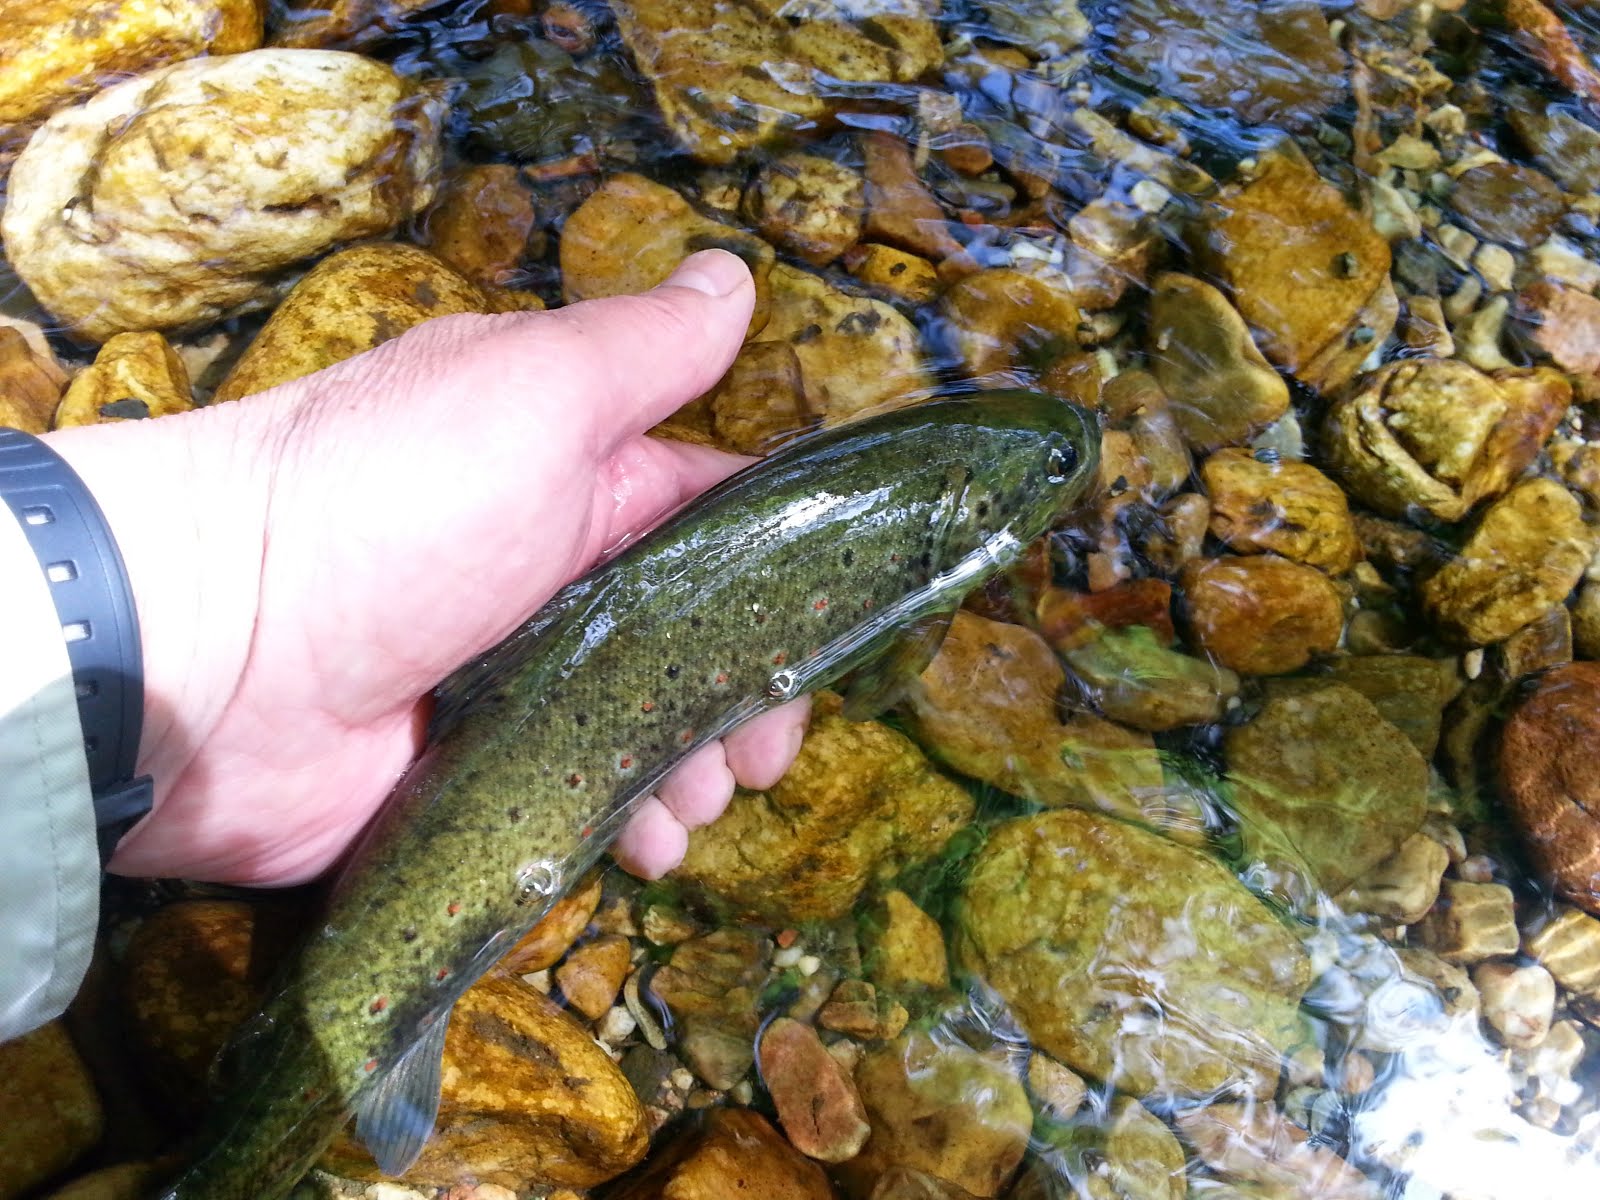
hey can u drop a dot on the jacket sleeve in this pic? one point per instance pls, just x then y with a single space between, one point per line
49 861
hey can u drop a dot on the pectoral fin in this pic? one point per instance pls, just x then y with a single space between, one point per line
394 1118
878 685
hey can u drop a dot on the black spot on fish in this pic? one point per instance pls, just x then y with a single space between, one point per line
983 508
514 813
849 558
672 672
582 718
926 560
695 622
409 933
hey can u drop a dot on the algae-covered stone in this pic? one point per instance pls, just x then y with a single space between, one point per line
1064 913
1287 508
859 803
1126 1154
1526 555
986 706
135 375
1410 692
904 946
49 1111
1133 679
141 210
348 304
946 1109
1323 784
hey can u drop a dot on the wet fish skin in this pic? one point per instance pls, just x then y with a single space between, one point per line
776 582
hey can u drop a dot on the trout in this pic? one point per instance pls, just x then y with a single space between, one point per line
842 555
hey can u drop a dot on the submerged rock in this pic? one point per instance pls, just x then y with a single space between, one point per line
1287 508
1131 958
137 211
859 803
1004 318
1507 203
712 984
810 205
1410 692
1257 1145
481 223
1126 1154
1133 679
1260 615
1322 784
50 1114
731 1152
135 375
816 1099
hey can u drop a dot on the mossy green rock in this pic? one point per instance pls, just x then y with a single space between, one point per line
1131 958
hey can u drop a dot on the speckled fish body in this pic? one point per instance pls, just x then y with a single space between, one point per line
781 580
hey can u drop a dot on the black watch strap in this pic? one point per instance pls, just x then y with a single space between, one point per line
99 624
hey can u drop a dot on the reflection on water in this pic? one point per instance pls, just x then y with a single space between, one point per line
1243 843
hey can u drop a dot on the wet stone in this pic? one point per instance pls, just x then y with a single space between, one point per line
1055 1087
904 946
30 385
1286 508
1403 887
50 1114
1564 144
1132 679
729 1152
811 206
1564 324
761 402
1260 615
898 273
712 984
1410 692
1471 922
481 223
544 944
1569 948
817 1104
1518 1002
1001 319
593 973
1508 203
133 377
1257 1145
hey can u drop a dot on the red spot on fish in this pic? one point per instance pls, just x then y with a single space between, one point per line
443 973
309 1095
821 604
453 907
378 1005
371 1066
780 658
894 558
867 603
626 762
722 677
647 706
574 780
687 736
586 831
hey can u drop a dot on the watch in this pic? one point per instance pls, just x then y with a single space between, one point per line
94 601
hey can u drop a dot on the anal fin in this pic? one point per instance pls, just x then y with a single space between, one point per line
395 1116
877 686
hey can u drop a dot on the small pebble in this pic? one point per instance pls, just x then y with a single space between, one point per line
539 980
616 1025
1149 196
743 1092
682 1078
1477 869
808 964
1496 265
1519 1002
1472 663
787 957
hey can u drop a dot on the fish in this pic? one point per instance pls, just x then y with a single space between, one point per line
837 560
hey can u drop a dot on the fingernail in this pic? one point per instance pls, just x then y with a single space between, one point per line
710 272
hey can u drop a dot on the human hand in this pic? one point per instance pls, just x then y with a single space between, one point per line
309 562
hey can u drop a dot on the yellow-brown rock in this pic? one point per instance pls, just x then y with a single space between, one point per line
944 1109
859 802
1526 555
816 1099
49 1111
135 375
733 1152
544 944
593 974
1440 434
899 273
810 205
632 233
1004 318
1255 1143
348 304
904 946
341 24
1282 507
901 211
1135 1157
1261 614
481 222
529 1100
761 402
1303 268
855 353
986 707
30 384
1550 777
56 52
137 210
1221 388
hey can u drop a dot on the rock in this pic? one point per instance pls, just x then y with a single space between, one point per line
56 53
1307 272
900 210
529 1100
1260 615
986 707
343 24
904 946
712 984
907 1183
1255 1144
1004 318
130 1181
732 1151
817 1104
1564 324
1544 642
1287 508
1569 948
856 1009
1221 387
348 304
1111 246
593 974
1322 784
481 224
1408 691
1578 466
904 276
1047 28
1471 922
544 944
1124 1153
1069 619
1057 1089
1550 777
135 211
855 353
1440 434
1561 141
30 384
1526 555
727 80
1134 680
761 402
811 206
1178 535
1518 1002
135 375
49 1112
1507 203
1414 999
859 803
945 1109
1263 64
1062 909
1403 887
1586 621
632 233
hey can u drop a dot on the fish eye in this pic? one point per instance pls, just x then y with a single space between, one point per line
1058 463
